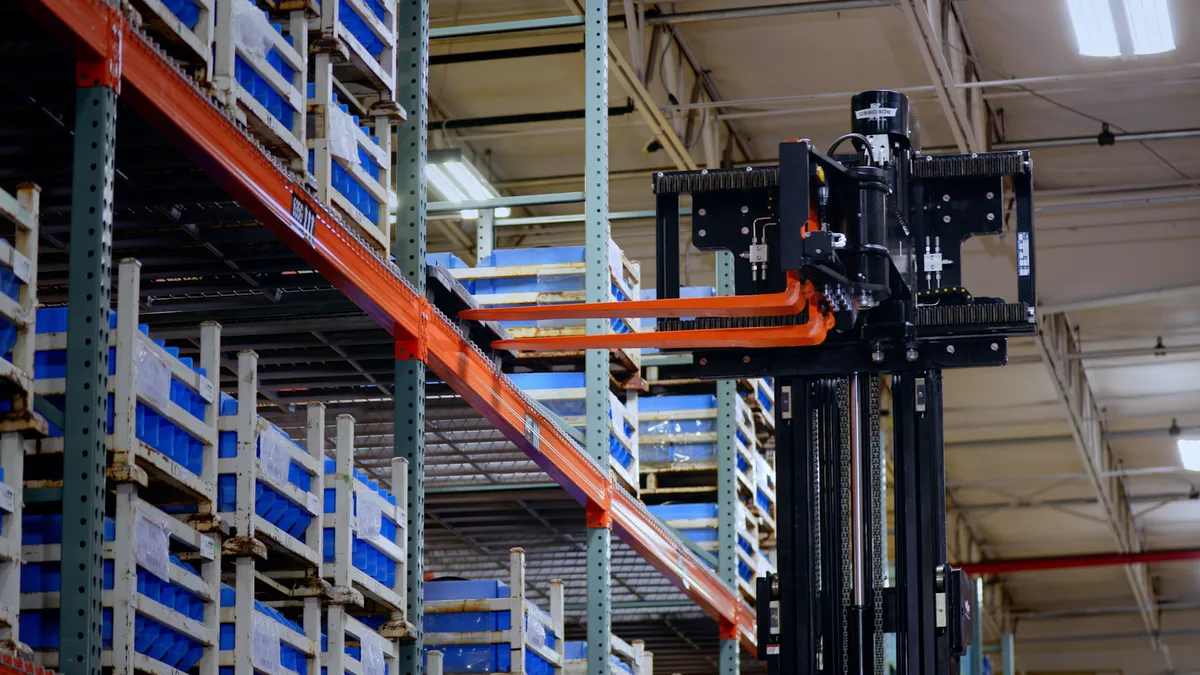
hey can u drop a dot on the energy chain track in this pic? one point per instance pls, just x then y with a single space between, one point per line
191 119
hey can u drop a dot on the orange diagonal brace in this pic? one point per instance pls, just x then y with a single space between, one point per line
789 301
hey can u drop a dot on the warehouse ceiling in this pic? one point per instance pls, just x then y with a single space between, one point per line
1117 236
1117 241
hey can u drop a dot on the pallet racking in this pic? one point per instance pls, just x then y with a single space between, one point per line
116 54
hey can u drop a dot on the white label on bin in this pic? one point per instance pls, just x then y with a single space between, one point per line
22 266
273 457
208 548
151 546
372 658
370 518
153 376
206 389
8 499
266 645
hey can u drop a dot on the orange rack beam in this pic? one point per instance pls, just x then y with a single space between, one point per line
183 114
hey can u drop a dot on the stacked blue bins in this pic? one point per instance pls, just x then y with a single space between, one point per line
356 26
289 657
186 11
551 283
575 407
702 535
273 507
260 90
760 393
39 628
344 181
366 557
651 452
491 658
153 429
10 285
576 650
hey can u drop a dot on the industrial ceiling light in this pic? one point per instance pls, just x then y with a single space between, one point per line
1095 30
1149 26
456 180
1189 448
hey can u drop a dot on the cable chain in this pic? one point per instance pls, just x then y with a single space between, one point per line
843 406
342 230
878 531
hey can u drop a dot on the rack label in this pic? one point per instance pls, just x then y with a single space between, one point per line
266 645
151 546
206 390
154 376
22 266
1024 264
304 219
273 457
370 518
372 658
8 499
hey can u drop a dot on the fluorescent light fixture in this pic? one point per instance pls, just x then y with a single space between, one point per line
1149 26
1189 453
457 181
1095 30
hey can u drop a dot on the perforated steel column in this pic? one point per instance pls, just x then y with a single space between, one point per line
485 235
727 498
87 380
412 77
599 552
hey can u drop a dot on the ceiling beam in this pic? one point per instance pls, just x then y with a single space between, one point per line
1057 341
925 19
659 126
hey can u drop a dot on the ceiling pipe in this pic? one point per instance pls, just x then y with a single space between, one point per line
1078 561
766 11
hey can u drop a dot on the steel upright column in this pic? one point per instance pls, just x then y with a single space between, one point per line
412 76
599 551
84 445
485 235
727 499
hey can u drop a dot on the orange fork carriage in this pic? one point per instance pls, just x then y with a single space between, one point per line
798 296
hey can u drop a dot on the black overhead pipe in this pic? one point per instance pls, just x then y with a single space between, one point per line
526 118
498 54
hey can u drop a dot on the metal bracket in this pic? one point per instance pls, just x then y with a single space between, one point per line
127 473
104 71
416 347
600 515
729 629
238 547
